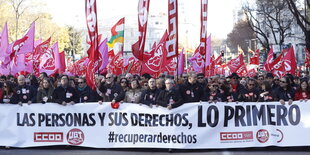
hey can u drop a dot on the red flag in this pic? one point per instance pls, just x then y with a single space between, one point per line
269 60
138 47
36 55
255 59
219 60
153 65
79 67
93 53
134 66
289 62
236 64
278 69
172 42
115 66
210 68
203 27
251 73
148 55
307 61
62 62
170 66
197 61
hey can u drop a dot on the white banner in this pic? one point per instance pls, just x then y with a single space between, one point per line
191 126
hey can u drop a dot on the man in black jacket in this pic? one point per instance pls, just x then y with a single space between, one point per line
25 93
150 95
191 91
111 91
170 97
64 94
85 93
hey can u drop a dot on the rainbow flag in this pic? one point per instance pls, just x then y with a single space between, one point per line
117 33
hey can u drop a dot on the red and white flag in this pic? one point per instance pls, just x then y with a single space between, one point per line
203 26
172 41
116 65
154 64
35 57
208 50
235 64
255 59
143 11
93 53
251 73
289 62
269 60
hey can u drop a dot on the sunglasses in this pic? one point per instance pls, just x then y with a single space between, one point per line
80 82
200 78
108 77
283 81
123 81
251 84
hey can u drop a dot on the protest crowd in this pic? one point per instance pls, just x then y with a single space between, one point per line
166 91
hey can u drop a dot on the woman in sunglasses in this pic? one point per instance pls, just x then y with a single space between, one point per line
212 93
124 84
266 94
285 92
8 95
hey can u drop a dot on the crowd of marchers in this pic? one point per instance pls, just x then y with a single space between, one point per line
166 91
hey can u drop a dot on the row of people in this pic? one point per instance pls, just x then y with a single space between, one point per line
164 91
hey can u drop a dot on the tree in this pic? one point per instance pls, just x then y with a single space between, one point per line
74 45
302 20
270 20
19 10
240 35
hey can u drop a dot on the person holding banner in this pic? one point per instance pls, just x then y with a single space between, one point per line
45 92
212 93
251 91
111 90
303 93
25 93
191 91
266 94
170 97
133 95
65 94
150 95
235 88
8 94
85 93
285 92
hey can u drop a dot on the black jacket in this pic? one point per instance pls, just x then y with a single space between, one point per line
250 95
65 94
281 94
149 96
86 95
26 93
172 97
191 92
112 92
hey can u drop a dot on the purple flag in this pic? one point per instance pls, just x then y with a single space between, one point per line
208 50
29 43
4 42
181 63
103 54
